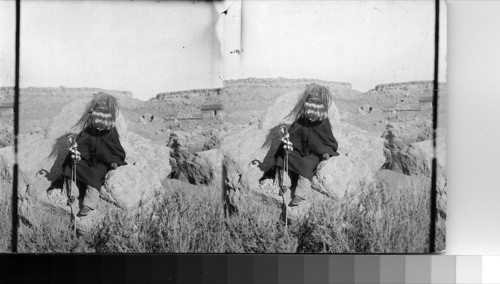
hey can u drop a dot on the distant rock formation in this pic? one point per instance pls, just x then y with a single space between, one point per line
188 94
283 82
38 102
412 85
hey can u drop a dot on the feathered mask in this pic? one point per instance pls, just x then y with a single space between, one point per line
313 104
100 113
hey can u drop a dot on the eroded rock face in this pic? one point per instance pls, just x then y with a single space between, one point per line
361 155
6 136
132 185
205 168
415 157
40 164
249 153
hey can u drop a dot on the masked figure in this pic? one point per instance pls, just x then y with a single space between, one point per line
99 147
312 140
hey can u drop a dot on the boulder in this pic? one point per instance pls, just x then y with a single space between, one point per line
392 147
132 185
205 168
213 142
361 155
193 142
183 144
398 136
416 159
248 154
40 164
407 133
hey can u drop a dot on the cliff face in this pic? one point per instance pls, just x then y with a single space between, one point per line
282 82
243 99
38 102
412 85
408 91
59 92
189 94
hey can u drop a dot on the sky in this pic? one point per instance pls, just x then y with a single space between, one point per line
150 47
143 47
364 43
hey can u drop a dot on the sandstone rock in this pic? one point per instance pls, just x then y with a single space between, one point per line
392 147
40 159
405 155
192 141
425 134
405 132
416 159
183 144
213 142
361 155
135 184
248 153
399 135
6 136
205 168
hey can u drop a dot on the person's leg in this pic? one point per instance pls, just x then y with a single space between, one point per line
301 190
289 182
91 197
294 177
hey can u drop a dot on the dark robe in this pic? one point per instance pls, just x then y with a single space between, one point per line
98 149
310 141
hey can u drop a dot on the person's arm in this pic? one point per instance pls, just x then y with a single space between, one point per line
331 141
327 140
112 153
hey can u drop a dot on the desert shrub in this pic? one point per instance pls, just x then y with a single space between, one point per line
51 235
184 221
176 222
383 217
396 218
259 231
321 232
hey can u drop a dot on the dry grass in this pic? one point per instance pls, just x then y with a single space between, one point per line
387 219
5 223
185 221
51 235
382 219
